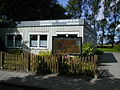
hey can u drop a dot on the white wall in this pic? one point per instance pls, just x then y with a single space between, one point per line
51 30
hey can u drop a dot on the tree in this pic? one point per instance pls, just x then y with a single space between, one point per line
74 8
22 10
112 13
83 9
103 25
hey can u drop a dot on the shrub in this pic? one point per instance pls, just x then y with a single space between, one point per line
17 51
45 53
98 52
42 69
117 48
87 49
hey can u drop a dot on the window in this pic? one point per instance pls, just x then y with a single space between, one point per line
18 39
33 40
10 40
43 41
38 41
61 35
14 40
72 35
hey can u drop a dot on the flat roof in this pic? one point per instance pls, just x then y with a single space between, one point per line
62 22
40 23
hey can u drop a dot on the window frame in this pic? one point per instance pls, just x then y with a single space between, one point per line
14 34
38 38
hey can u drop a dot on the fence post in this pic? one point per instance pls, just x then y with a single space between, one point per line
95 67
2 59
90 58
59 59
28 56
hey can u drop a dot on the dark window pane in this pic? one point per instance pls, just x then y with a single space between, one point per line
33 40
10 40
72 35
43 37
33 37
61 35
43 41
18 39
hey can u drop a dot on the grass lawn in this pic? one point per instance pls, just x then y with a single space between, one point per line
108 50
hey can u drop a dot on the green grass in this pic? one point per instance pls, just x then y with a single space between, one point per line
108 50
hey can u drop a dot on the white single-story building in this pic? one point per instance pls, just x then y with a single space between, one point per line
36 36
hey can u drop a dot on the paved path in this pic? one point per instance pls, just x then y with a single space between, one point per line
50 82
111 61
53 82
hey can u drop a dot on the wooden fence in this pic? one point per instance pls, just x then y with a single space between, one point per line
50 64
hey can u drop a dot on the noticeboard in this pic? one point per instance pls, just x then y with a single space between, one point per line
67 45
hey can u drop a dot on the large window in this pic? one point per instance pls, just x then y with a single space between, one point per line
14 40
38 41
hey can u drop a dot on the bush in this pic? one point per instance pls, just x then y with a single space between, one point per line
98 52
117 48
17 51
87 49
45 53
42 69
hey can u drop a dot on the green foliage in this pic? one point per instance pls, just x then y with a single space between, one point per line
2 45
42 67
65 67
74 8
26 10
98 52
17 52
45 53
87 49
117 48
108 50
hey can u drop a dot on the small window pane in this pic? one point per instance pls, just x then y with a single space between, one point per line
33 40
10 40
43 41
18 39
61 35
72 35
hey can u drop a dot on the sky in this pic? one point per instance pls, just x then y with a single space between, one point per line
101 10
63 2
100 15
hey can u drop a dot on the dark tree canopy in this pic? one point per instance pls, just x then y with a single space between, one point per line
74 8
25 10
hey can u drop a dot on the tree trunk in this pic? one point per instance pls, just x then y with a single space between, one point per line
103 34
112 41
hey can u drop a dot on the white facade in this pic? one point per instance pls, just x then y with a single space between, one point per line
37 35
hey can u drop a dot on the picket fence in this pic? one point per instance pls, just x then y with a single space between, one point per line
51 64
